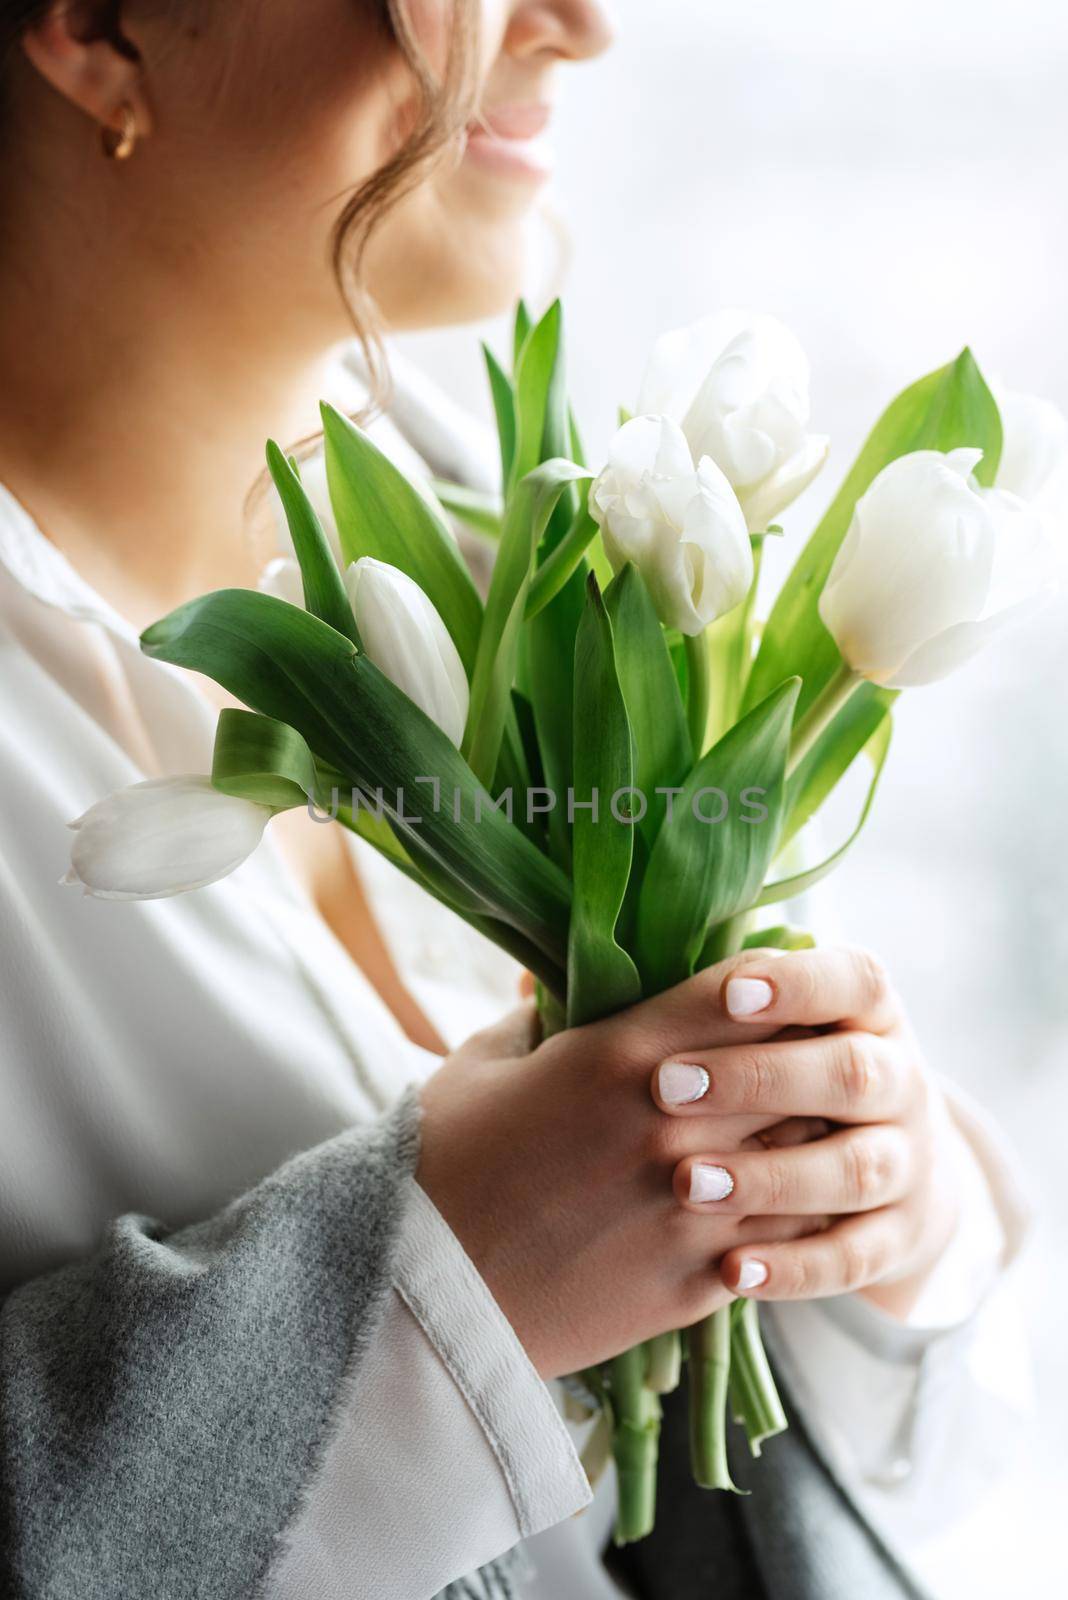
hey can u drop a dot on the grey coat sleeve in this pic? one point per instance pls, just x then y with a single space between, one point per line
163 1403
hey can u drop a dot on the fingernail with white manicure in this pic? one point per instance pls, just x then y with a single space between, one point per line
747 996
752 1275
709 1183
680 1083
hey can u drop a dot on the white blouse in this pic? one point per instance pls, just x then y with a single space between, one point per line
162 1056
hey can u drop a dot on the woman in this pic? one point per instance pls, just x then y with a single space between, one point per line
321 1369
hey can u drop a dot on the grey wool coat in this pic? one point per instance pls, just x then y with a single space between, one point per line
162 1403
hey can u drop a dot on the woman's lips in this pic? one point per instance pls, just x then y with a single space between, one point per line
511 141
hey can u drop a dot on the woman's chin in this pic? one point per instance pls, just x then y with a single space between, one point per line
471 269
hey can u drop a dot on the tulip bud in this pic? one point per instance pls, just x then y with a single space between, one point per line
1034 443
738 385
406 639
680 525
162 838
282 579
931 567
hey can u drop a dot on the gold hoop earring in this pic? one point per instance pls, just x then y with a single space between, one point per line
119 143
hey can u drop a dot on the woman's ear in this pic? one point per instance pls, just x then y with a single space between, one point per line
79 47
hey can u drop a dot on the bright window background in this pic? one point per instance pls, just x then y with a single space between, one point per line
893 182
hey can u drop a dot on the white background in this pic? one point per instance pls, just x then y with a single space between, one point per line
893 182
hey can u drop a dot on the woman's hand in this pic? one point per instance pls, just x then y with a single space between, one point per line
572 1188
886 1177
553 1167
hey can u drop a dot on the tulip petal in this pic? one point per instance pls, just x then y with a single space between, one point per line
956 645
1034 442
682 527
764 503
282 578
650 444
680 360
739 383
1025 561
406 639
750 437
917 559
163 837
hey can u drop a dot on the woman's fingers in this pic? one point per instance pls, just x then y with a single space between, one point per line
845 1077
851 1254
784 1135
855 1169
778 1230
751 997
812 988
691 1016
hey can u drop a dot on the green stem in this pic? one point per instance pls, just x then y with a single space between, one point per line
483 512
557 568
731 649
723 939
635 1444
762 1410
826 706
710 1366
699 690
665 1363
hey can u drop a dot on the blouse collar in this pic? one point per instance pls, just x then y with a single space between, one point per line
41 569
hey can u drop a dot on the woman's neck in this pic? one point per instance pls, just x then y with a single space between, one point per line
133 419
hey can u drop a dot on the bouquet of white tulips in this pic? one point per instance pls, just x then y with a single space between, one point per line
604 765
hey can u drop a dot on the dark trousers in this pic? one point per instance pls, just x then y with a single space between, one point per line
795 1535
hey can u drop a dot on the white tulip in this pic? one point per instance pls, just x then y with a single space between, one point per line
680 524
1034 443
931 567
737 383
406 639
282 578
162 838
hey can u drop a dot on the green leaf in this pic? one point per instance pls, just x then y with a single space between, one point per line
503 409
549 637
663 752
535 372
257 758
780 938
521 331
420 866
529 508
482 512
787 888
576 448
550 643
380 514
287 664
601 977
703 872
324 588
833 754
948 409
528 737
556 437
